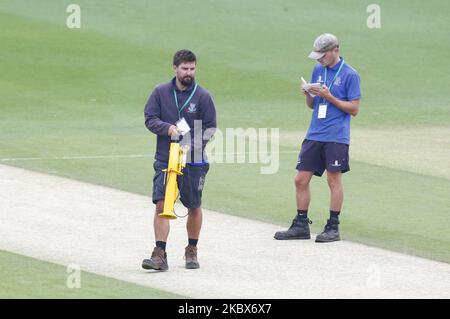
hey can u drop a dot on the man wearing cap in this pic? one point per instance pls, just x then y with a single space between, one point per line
326 144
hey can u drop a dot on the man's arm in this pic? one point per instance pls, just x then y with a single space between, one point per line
153 120
351 107
208 116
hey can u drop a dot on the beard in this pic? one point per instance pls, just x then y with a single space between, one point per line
187 80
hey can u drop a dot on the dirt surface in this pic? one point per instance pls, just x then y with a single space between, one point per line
109 232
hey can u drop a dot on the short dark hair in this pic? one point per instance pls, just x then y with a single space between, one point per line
184 56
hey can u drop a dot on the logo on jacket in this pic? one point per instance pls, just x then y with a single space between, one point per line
192 108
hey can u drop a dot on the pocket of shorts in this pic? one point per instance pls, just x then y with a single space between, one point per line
159 166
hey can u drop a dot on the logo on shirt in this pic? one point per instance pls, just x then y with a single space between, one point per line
337 82
192 108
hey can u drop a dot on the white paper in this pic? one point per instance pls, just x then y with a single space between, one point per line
307 86
183 126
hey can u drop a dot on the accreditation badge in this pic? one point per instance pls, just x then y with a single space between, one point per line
322 111
183 126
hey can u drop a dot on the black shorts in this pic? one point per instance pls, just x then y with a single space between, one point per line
317 156
190 183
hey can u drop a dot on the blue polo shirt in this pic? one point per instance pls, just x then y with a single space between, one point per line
335 127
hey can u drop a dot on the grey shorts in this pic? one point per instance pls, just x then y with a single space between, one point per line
190 184
317 156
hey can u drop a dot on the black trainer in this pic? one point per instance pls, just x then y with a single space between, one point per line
298 230
330 233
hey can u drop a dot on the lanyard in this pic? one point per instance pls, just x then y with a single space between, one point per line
335 76
187 101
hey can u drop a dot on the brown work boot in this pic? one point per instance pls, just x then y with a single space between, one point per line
191 257
158 261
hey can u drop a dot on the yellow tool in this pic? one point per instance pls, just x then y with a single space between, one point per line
177 161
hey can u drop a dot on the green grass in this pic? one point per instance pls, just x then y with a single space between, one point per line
82 92
24 277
